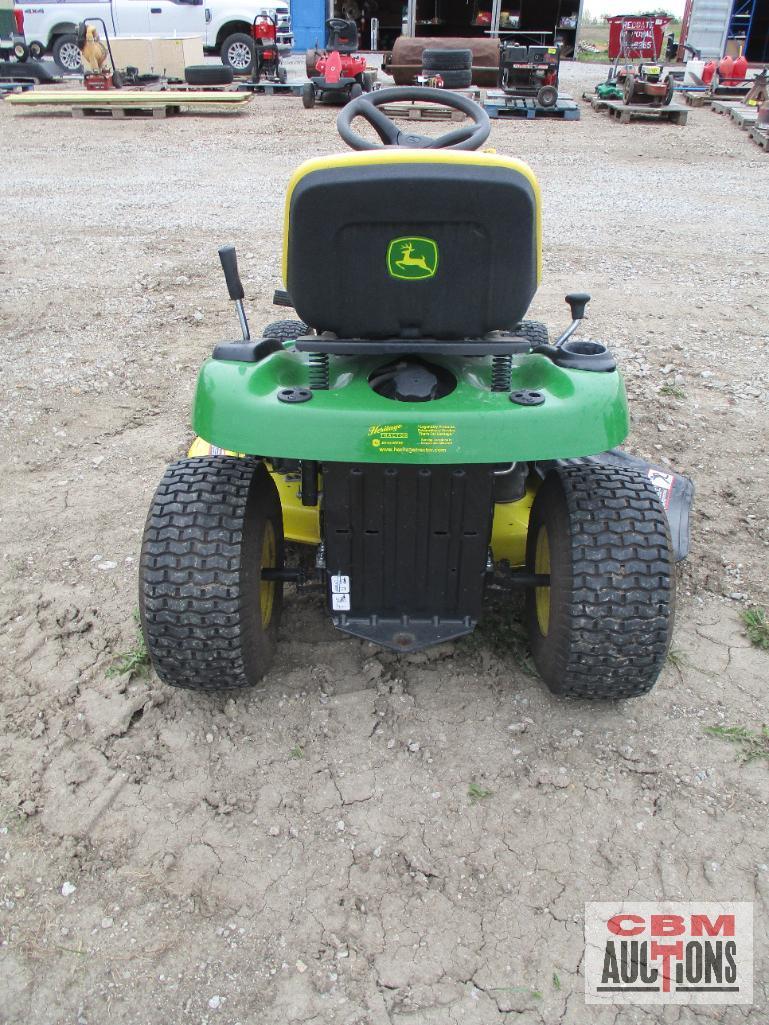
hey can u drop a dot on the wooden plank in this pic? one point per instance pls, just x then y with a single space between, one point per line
625 113
128 98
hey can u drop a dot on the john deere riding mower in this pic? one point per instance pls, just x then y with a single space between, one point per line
416 434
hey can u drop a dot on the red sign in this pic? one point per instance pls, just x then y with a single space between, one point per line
636 38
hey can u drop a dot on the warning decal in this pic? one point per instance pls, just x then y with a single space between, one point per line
411 439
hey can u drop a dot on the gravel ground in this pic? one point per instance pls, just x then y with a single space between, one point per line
308 852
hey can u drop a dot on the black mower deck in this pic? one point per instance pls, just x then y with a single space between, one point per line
625 113
498 105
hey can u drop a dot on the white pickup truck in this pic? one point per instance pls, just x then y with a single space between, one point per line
225 25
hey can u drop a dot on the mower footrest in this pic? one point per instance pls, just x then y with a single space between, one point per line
405 633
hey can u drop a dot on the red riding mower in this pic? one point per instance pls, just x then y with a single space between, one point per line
341 76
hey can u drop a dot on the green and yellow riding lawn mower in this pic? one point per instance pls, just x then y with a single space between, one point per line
416 434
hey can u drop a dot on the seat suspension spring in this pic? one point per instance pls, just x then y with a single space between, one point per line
501 369
318 371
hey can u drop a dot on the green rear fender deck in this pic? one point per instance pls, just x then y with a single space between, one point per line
236 407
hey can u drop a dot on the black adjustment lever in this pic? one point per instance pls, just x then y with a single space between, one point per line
229 259
577 302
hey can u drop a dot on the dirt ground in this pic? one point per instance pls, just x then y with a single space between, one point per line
309 852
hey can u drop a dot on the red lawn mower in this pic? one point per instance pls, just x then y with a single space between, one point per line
341 76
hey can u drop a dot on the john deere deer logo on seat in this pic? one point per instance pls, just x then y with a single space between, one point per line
412 258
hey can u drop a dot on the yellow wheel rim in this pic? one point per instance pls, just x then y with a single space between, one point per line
542 594
267 587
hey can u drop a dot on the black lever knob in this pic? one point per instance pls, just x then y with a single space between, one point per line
229 259
577 302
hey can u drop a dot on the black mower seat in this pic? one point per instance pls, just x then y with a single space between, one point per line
409 243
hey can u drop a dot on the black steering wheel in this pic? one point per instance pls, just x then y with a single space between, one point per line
367 106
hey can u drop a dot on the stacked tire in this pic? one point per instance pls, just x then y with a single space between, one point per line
455 67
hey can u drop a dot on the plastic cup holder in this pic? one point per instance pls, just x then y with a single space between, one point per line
580 347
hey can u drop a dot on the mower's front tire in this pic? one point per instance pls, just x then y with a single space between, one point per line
210 621
535 331
285 330
308 95
602 628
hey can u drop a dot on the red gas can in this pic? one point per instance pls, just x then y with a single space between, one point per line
708 71
739 68
725 66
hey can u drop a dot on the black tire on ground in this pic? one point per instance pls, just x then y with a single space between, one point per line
308 95
281 75
237 52
36 50
628 89
20 52
456 79
356 90
283 330
66 53
209 620
536 332
547 96
602 629
669 91
208 74
367 82
447 60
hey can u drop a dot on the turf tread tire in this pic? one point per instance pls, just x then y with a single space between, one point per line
283 330
612 582
447 60
535 331
200 573
208 74
456 79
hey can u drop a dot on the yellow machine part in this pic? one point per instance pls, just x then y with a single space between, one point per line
301 523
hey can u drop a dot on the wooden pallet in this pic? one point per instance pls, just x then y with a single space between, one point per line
121 113
625 113
417 111
745 117
271 88
528 109
700 99
760 136
595 101
723 106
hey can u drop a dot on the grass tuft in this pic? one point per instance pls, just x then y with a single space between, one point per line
757 627
477 793
753 744
134 662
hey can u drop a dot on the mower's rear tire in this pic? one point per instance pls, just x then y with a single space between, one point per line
669 92
356 90
628 90
602 628
283 330
447 60
308 95
208 74
367 81
209 620
536 332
